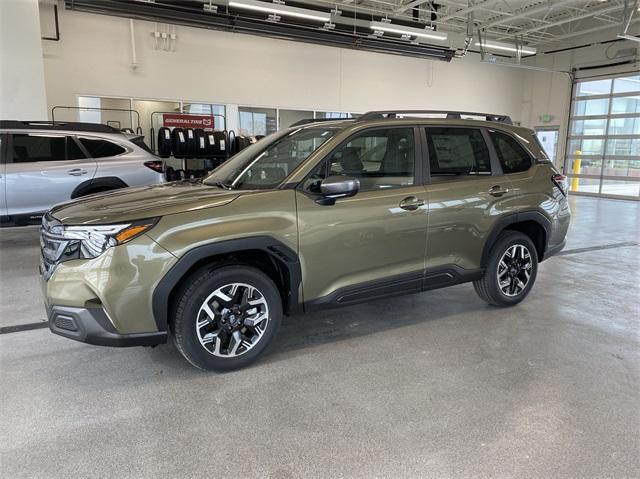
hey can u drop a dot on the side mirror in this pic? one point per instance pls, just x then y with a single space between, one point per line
336 187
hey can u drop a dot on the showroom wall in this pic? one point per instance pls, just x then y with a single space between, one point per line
94 58
22 87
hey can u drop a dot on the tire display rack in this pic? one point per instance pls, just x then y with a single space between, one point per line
210 146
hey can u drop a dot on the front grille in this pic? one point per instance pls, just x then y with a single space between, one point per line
53 246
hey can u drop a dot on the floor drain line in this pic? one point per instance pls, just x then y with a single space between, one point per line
23 327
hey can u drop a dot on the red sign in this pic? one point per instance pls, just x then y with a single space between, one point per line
187 121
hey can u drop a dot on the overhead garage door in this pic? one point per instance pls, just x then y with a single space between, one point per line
603 150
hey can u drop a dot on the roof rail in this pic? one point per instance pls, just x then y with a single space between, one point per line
451 115
307 121
57 125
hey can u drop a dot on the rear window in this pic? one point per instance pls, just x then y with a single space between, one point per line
513 157
98 148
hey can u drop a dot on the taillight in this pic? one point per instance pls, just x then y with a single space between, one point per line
562 182
157 166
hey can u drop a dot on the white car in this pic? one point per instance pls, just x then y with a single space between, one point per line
45 163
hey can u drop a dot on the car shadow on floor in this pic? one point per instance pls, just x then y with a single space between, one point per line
332 325
305 331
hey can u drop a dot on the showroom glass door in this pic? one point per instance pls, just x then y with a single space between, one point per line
603 149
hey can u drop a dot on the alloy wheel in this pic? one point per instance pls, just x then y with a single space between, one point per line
232 320
514 270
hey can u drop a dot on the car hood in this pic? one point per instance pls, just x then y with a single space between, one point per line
135 203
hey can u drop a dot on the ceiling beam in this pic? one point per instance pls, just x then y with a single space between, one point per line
566 20
584 32
527 13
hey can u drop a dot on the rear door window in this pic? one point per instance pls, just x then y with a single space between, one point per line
457 152
99 148
30 148
513 157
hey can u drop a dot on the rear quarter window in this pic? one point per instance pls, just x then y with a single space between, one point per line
98 148
513 157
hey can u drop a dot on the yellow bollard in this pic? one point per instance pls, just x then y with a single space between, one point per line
575 182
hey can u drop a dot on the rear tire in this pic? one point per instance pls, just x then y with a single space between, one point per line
510 272
219 328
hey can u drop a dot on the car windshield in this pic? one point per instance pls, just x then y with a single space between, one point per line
268 162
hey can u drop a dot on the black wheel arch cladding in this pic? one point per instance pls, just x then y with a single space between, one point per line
283 256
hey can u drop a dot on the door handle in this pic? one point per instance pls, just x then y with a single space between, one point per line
77 172
411 203
497 191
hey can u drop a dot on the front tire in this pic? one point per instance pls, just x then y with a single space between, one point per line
226 317
510 272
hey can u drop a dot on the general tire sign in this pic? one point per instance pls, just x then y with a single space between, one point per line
173 120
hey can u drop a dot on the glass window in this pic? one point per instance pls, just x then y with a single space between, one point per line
513 158
457 151
586 147
596 87
623 146
625 104
337 115
620 187
257 121
208 109
101 148
624 126
380 159
29 148
269 162
588 127
626 84
594 107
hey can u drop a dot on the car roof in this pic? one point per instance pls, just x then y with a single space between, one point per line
57 126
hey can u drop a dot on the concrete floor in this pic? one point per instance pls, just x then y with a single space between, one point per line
432 385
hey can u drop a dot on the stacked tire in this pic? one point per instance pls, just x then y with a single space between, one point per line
164 142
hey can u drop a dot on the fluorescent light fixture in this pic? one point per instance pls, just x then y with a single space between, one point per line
507 47
280 9
402 30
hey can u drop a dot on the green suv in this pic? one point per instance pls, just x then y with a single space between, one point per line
319 215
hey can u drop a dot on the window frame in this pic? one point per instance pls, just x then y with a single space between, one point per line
496 168
418 163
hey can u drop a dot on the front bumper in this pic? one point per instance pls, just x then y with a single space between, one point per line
92 326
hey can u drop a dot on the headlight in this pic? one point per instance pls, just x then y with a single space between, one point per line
92 241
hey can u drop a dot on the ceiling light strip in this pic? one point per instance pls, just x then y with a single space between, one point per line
280 9
403 30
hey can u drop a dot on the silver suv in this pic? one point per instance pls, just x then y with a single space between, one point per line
44 163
